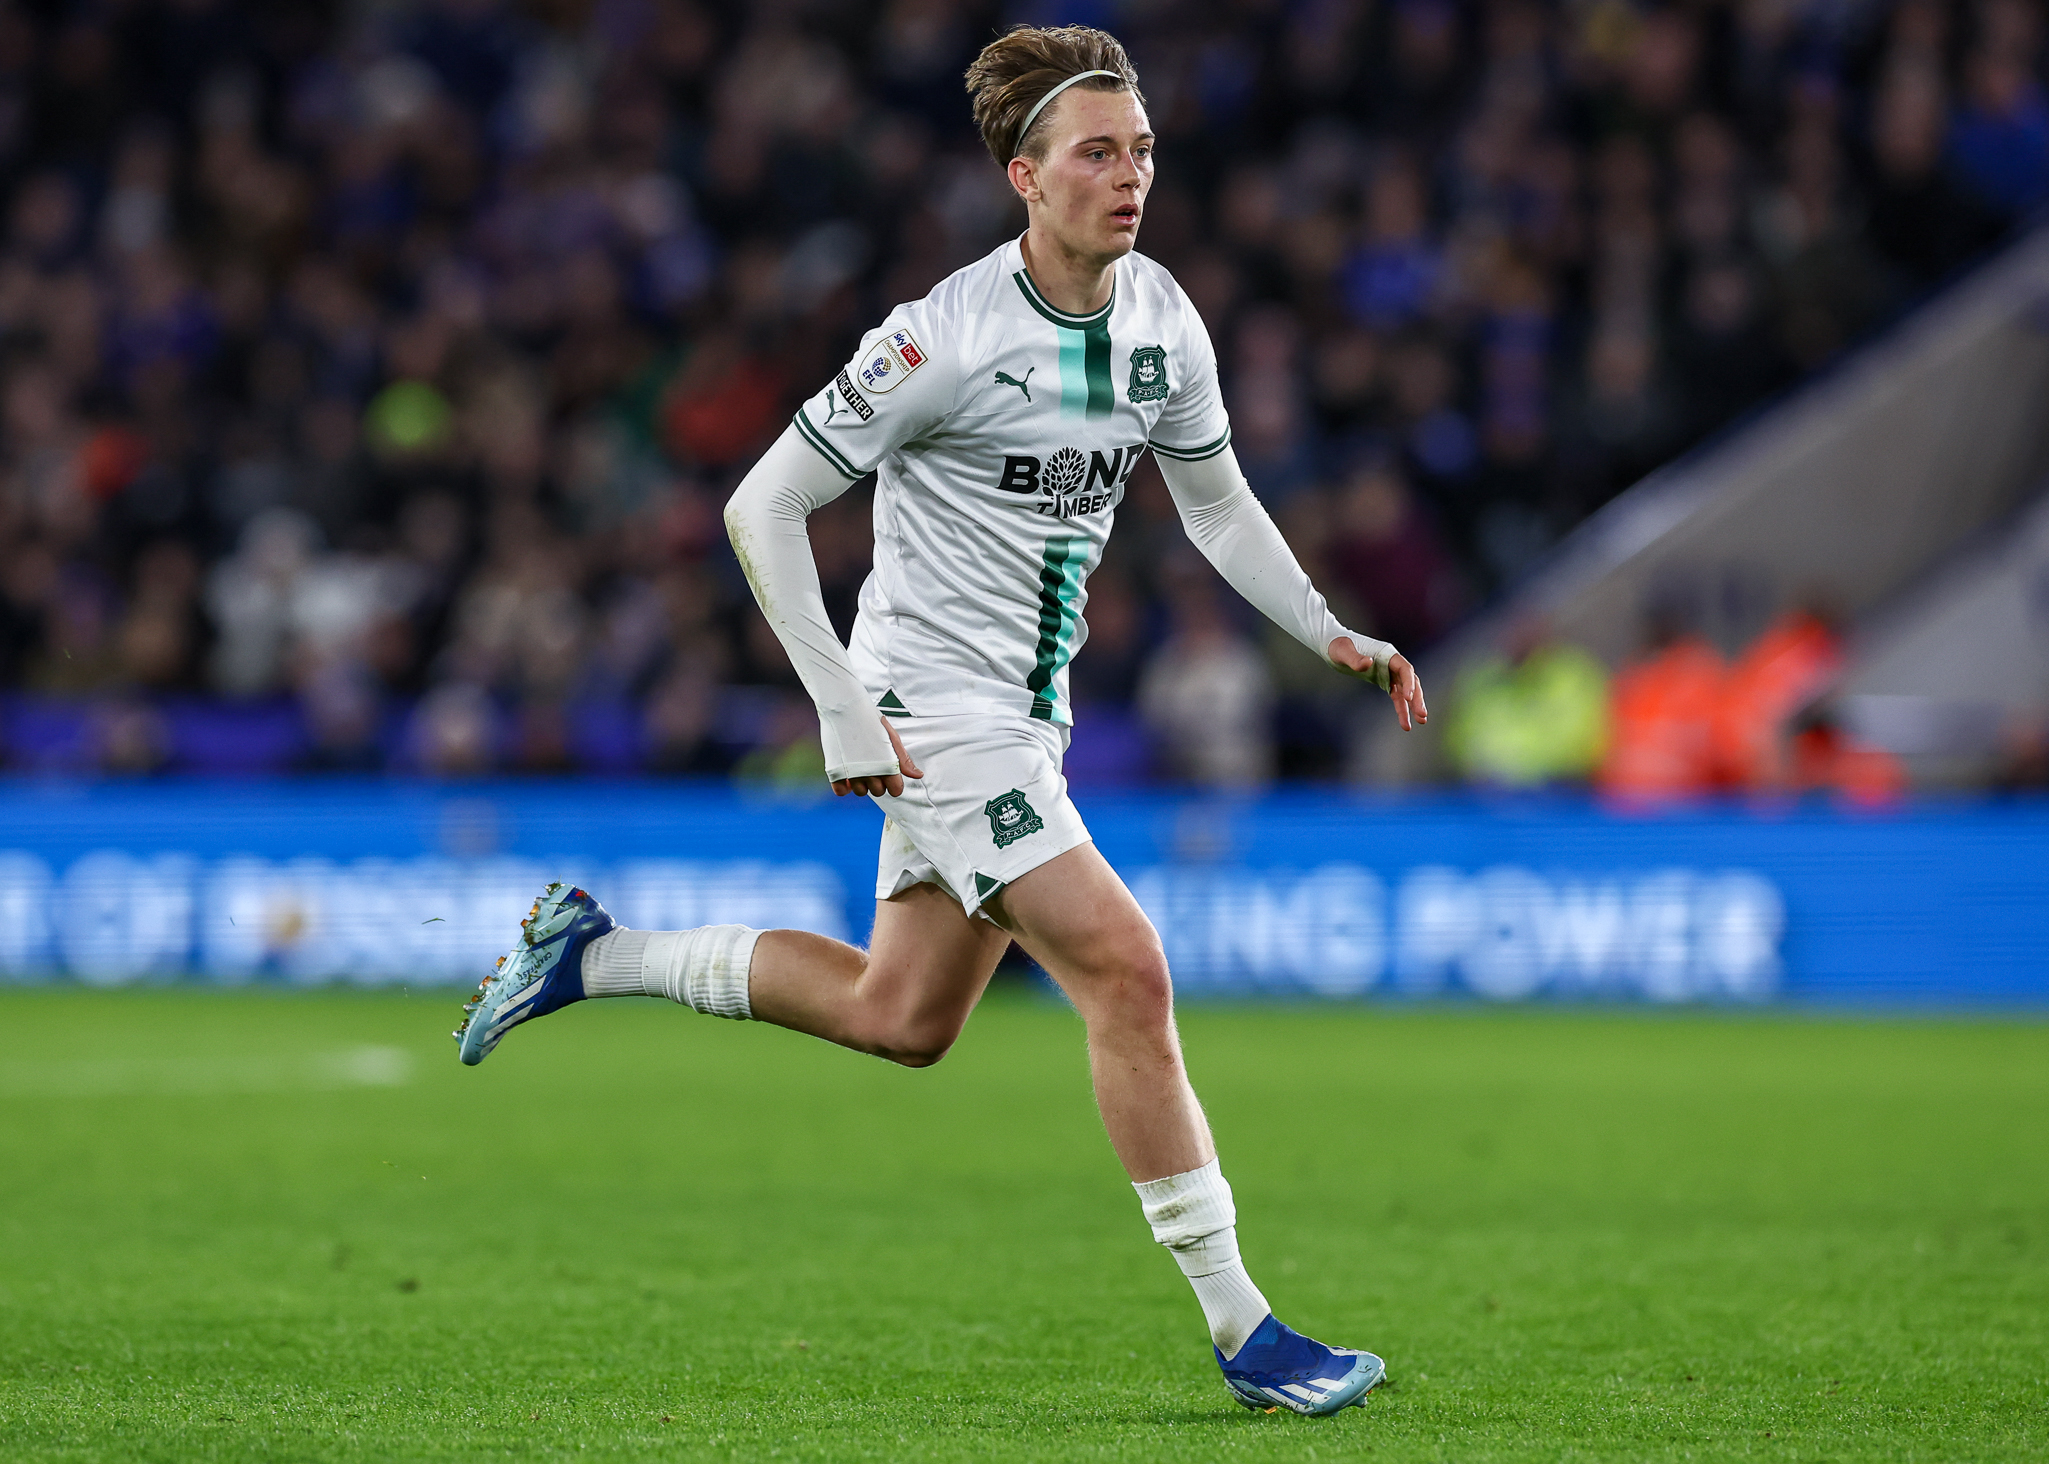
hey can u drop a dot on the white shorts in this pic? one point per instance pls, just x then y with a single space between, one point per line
992 806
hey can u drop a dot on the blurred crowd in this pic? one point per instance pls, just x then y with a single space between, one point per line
1679 722
371 374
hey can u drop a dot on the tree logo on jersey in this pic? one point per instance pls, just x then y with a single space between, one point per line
1070 482
1063 473
1011 818
1148 374
886 363
1004 378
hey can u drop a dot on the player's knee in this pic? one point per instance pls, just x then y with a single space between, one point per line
917 1059
913 1039
1135 987
919 1045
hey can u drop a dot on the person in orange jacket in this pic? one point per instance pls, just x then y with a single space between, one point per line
1779 675
1661 718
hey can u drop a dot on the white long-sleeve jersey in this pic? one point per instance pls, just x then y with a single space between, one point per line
1002 432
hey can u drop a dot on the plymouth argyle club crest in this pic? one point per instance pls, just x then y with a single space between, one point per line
1148 374
1011 818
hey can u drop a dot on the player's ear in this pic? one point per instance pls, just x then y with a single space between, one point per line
1024 177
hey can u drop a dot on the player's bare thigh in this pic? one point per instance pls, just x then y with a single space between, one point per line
1077 919
906 998
929 961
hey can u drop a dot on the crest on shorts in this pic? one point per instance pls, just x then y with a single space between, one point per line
1011 818
1148 374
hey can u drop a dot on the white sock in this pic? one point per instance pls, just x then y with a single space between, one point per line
705 969
1193 1216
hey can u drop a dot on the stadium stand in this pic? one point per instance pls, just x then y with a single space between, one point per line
371 375
1855 497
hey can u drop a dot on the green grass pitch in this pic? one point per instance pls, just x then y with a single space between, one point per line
288 1226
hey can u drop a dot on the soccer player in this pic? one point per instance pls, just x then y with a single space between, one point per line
1003 414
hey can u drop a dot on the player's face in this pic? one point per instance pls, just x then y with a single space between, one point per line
1090 190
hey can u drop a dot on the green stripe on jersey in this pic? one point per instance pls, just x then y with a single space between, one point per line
1084 353
1194 454
825 449
1059 587
1074 382
1097 367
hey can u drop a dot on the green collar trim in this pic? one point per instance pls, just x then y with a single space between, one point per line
1039 303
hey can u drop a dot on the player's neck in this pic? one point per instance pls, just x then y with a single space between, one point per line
1079 284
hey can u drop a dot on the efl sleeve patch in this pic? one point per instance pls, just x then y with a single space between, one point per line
889 362
855 422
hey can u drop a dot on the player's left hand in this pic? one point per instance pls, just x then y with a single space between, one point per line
1405 688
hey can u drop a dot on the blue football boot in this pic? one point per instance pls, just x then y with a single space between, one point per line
1278 1367
543 973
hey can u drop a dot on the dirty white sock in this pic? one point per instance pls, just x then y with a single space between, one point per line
705 969
1193 1216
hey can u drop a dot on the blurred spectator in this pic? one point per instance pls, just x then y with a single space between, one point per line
1778 676
159 637
1108 671
1206 692
2000 136
1394 275
1385 558
1536 713
250 595
1921 218
682 722
455 731
1661 717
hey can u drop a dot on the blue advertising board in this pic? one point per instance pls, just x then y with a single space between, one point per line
1300 892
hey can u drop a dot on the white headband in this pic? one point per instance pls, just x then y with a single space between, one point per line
1033 115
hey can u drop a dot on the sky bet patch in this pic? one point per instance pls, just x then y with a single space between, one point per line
889 361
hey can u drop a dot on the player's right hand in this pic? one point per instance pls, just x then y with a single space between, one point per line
878 785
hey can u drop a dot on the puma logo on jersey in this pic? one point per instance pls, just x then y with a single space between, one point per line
852 398
1004 378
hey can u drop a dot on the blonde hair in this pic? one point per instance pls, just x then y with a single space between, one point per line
1016 71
